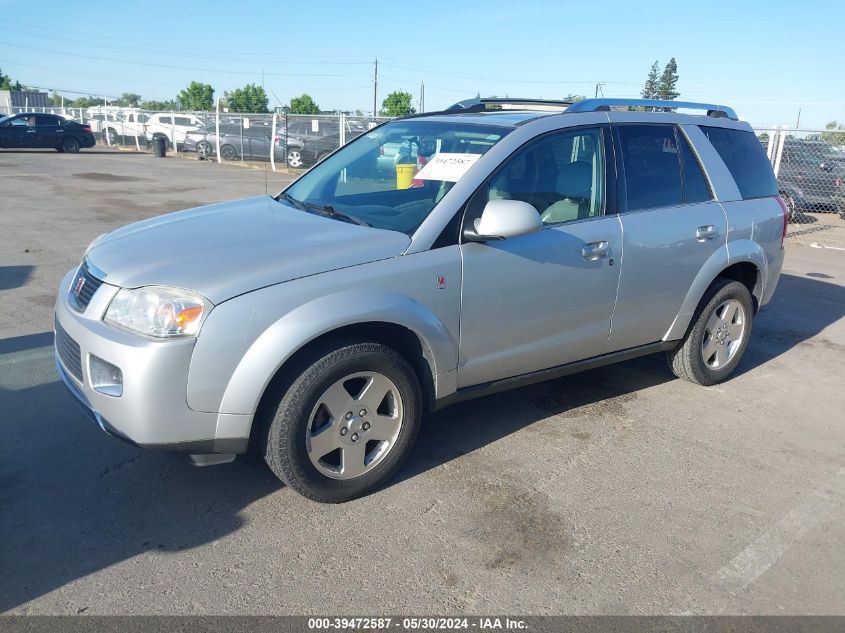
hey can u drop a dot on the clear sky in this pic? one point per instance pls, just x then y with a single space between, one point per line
766 59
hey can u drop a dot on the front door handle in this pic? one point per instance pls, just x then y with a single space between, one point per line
706 232
595 250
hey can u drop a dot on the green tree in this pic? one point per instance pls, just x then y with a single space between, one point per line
397 103
572 98
250 98
304 104
129 99
650 87
666 87
835 134
159 105
83 102
6 83
197 96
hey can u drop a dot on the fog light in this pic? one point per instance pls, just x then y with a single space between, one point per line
105 377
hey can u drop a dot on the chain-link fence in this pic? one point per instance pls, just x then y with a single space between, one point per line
292 140
810 169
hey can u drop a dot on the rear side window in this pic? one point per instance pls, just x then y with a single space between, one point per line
652 168
164 120
744 156
181 120
695 185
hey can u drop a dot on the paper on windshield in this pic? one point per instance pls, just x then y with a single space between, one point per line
447 166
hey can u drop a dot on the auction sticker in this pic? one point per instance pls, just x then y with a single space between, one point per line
446 166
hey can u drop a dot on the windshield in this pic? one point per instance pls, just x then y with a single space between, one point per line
393 176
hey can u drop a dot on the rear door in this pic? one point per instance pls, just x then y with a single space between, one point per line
50 130
671 226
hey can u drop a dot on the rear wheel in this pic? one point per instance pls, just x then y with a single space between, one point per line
70 144
346 423
228 152
204 148
717 336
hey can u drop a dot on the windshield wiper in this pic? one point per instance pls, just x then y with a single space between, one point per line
297 203
328 210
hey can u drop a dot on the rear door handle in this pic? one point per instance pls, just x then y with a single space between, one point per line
595 250
706 232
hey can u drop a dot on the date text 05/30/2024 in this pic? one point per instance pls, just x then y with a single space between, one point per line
416 623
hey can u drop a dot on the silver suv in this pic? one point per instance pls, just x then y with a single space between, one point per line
511 243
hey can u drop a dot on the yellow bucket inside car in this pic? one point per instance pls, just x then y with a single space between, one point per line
405 175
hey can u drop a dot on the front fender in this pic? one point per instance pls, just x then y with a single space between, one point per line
733 253
309 321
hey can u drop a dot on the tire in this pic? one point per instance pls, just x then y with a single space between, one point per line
228 152
322 156
295 158
70 144
313 449
110 136
714 343
204 148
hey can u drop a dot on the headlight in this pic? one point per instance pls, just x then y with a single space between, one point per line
158 311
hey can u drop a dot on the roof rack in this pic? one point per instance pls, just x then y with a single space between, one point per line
594 105
481 105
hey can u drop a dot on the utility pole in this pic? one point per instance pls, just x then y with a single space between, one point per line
375 90
599 84
262 79
798 122
422 96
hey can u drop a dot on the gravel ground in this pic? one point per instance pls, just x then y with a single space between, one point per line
621 490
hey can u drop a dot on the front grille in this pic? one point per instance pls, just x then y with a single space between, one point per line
83 287
69 353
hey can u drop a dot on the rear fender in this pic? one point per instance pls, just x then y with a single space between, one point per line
736 252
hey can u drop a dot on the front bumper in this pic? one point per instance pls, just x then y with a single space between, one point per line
152 411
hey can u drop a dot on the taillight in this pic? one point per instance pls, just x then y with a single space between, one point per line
87 129
785 210
838 181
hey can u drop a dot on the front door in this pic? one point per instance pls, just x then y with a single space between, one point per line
541 300
16 132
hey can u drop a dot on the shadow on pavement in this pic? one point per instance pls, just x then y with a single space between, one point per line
76 501
14 276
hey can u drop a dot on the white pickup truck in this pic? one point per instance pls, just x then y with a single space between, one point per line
173 126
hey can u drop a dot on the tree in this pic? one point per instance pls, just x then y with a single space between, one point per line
83 102
397 103
197 96
650 87
572 98
159 105
835 134
129 99
304 104
668 81
6 83
250 98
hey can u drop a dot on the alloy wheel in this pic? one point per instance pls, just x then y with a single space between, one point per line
724 334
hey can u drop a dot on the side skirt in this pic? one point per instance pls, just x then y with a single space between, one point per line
505 384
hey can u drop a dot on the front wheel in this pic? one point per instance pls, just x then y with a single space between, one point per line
228 152
346 423
70 145
294 158
717 336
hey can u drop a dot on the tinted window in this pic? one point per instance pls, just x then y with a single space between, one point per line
560 175
164 120
46 119
695 185
181 120
744 156
652 168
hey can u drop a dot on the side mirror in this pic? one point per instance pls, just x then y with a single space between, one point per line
504 218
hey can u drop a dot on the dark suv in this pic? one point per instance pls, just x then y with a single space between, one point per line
810 177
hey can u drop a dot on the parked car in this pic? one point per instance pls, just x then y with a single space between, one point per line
318 326
251 143
173 126
34 130
301 154
311 139
810 178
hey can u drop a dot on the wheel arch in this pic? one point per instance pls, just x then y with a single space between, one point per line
742 261
388 317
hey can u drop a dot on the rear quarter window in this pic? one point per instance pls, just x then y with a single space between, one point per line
744 157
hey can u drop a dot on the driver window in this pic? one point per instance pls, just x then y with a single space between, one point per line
561 175
20 121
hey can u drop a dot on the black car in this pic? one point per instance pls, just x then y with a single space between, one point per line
34 130
312 152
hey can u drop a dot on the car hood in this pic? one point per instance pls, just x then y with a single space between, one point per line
223 250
